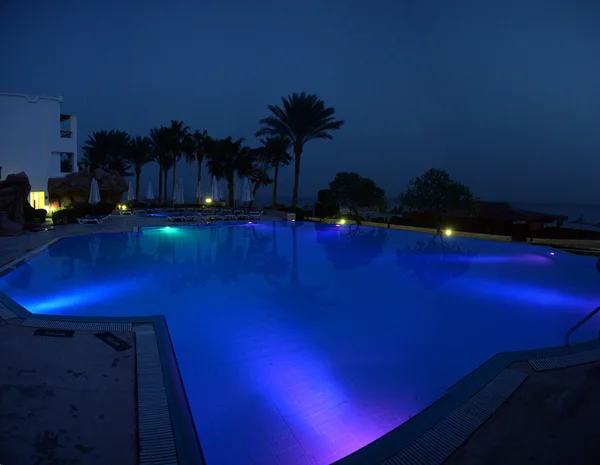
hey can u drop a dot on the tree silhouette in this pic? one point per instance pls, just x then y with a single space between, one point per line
435 262
352 247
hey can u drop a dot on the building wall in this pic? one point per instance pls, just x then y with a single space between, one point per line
30 132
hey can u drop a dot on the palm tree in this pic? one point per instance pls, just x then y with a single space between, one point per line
161 147
259 171
276 149
107 150
139 154
198 142
180 139
301 118
225 158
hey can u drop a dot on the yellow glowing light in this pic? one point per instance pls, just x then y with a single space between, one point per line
448 232
208 200
342 221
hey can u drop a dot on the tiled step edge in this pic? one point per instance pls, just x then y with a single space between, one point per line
437 444
155 430
77 325
565 361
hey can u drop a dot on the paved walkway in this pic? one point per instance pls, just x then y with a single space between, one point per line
551 419
66 400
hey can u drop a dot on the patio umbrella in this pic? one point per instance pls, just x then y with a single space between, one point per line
94 193
215 189
150 192
246 191
199 192
131 193
179 196
220 192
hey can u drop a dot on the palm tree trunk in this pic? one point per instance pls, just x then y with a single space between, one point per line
199 177
174 179
138 173
160 178
297 153
165 173
274 200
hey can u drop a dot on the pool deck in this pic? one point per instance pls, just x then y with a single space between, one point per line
74 398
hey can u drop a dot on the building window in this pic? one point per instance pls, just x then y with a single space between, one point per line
66 162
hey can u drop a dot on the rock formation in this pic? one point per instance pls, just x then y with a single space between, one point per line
75 187
14 191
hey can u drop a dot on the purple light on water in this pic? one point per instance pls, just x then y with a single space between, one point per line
528 293
72 298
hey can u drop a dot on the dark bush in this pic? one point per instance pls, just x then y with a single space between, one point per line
81 209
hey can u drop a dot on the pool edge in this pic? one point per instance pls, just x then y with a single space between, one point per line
186 440
393 447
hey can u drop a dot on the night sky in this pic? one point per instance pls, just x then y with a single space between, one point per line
504 94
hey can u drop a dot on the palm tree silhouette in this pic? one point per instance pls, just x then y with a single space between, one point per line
300 118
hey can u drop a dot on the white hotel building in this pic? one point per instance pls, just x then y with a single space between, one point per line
35 137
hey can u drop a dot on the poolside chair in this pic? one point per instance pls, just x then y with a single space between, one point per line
240 215
255 215
227 214
97 219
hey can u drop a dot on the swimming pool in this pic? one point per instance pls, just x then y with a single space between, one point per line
299 342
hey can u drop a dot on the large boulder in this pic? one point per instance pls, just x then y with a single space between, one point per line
75 187
14 193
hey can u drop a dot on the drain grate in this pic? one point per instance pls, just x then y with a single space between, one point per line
437 444
78 325
565 361
157 442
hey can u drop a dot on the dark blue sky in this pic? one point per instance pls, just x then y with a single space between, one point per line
503 94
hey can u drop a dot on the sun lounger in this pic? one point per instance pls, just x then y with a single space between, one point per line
255 215
98 219
240 215
226 214
185 217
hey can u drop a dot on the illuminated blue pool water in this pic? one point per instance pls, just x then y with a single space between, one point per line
300 343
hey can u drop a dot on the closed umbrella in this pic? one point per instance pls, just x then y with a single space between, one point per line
130 193
150 192
246 191
94 193
179 195
215 189
220 191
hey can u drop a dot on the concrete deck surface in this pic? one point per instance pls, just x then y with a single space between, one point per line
66 401
551 419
